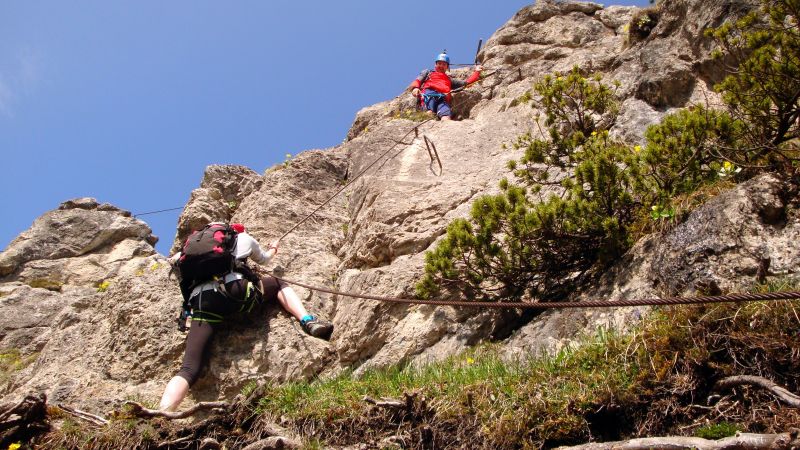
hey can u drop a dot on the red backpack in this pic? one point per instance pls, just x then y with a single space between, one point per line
207 253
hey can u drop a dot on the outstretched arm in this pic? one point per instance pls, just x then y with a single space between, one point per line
250 248
416 85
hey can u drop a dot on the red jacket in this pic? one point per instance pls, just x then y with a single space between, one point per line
441 82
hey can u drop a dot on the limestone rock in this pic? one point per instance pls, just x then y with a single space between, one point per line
77 228
222 190
96 346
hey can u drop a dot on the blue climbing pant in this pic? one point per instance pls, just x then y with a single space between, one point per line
436 102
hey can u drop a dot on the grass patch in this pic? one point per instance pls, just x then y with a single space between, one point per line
607 386
717 430
679 209
11 362
413 115
44 283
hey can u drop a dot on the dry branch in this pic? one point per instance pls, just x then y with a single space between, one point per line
174 442
392 404
140 411
750 380
97 420
742 441
407 404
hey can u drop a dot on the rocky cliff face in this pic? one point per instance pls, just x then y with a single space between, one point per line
84 292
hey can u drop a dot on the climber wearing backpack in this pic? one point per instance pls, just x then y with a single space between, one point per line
436 86
216 282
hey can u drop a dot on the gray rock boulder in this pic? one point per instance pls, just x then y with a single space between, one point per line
62 244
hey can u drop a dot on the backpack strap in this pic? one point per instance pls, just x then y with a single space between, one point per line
422 78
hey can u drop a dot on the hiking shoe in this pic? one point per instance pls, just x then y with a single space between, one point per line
318 328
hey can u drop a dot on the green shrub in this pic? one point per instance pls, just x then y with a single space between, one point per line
685 151
514 247
763 91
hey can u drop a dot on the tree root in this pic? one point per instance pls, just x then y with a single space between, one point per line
274 442
740 380
140 411
388 404
21 419
407 405
742 441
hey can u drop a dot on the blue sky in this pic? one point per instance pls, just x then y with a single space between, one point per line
128 101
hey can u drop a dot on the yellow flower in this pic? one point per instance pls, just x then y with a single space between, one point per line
14 446
637 148
727 165
470 361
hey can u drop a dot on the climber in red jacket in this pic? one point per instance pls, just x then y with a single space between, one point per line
436 86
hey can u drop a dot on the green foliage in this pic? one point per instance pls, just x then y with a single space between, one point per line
717 430
642 24
45 283
11 362
514 247
686 150
414 115
248 388
763 91
575 106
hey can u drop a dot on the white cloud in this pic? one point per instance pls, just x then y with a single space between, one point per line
30 63
19 78
6 98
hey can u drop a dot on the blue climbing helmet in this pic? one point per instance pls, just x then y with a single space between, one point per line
443 57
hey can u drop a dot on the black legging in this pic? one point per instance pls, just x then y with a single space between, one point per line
201 331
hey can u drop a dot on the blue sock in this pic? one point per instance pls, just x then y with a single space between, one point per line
306 318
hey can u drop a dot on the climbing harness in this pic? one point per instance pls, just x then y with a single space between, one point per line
432 95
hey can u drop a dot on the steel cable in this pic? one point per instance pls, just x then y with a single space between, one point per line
560 305
416 127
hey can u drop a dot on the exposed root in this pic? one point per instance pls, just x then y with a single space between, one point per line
750 380
140 411
742 441
21 420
